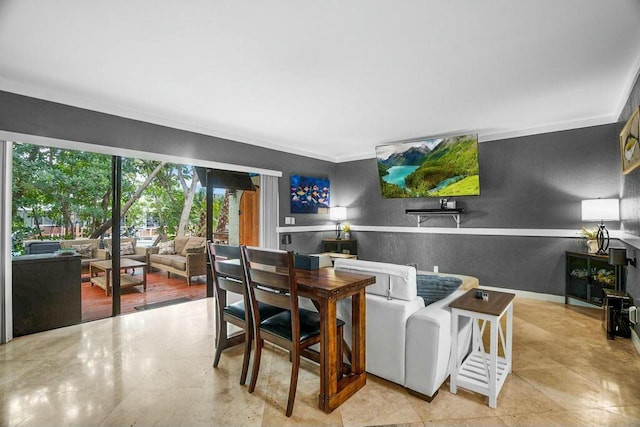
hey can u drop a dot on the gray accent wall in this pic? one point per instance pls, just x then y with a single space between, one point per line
529 182
533 182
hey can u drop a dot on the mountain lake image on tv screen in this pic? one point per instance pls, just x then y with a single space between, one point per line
430 167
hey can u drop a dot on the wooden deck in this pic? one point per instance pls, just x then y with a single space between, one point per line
97 305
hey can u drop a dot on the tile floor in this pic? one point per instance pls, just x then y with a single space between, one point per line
154 368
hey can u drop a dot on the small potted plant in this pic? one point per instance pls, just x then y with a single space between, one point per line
347 231
591 234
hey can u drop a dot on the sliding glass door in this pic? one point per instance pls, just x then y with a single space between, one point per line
125 234
60 202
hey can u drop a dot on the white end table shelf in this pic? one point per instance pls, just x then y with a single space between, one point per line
482 372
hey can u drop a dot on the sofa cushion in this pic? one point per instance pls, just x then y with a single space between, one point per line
396 281
68 243
179 262
84 250
127 245
193 245
137 257
180 242
433 287
126 248
166 248
164 259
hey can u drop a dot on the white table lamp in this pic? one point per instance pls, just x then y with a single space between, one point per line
339 214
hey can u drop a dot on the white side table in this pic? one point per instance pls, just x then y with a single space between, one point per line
482 372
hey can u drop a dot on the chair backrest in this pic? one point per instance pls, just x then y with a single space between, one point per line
226 265
271 279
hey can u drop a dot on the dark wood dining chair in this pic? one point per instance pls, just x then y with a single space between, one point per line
271 279
229 276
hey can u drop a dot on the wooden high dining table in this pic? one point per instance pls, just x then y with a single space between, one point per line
325 287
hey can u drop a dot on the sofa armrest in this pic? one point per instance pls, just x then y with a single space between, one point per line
428 347
140 250
386 333
153 250
196 264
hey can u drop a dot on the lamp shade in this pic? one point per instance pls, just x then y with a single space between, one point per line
601 210
338 213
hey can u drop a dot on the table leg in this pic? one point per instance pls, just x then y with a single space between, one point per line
493 356
335 389
144 279
359 322
508 338
328 361
107 280
453 375
324 359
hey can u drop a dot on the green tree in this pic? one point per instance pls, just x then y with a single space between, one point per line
63 185
69 187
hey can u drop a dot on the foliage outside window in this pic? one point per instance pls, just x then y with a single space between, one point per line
66 194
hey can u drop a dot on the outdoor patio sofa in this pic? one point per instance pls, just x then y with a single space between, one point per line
185 256
88 250
129 249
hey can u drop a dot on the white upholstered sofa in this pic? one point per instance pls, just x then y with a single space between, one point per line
408 343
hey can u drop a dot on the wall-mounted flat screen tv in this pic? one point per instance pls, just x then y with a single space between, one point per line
430 167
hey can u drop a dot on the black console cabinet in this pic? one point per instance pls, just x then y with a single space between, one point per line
46 292
340 246
587 275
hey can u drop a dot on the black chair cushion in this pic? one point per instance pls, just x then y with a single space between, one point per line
237 310
280 324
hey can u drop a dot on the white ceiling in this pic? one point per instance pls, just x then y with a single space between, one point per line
332 78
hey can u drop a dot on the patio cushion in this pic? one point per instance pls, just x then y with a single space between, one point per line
126 248
180 242
193 245
166 248
84 250
164 259
138 257
179 262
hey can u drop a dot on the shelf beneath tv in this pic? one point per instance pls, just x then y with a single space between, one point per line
419 213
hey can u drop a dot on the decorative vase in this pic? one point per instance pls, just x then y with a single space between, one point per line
347 235
592 246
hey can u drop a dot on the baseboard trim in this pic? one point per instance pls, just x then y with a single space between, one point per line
529 294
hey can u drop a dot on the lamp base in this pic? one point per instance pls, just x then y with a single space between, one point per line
603 239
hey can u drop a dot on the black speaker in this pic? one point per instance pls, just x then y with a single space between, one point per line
617 256
616 314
